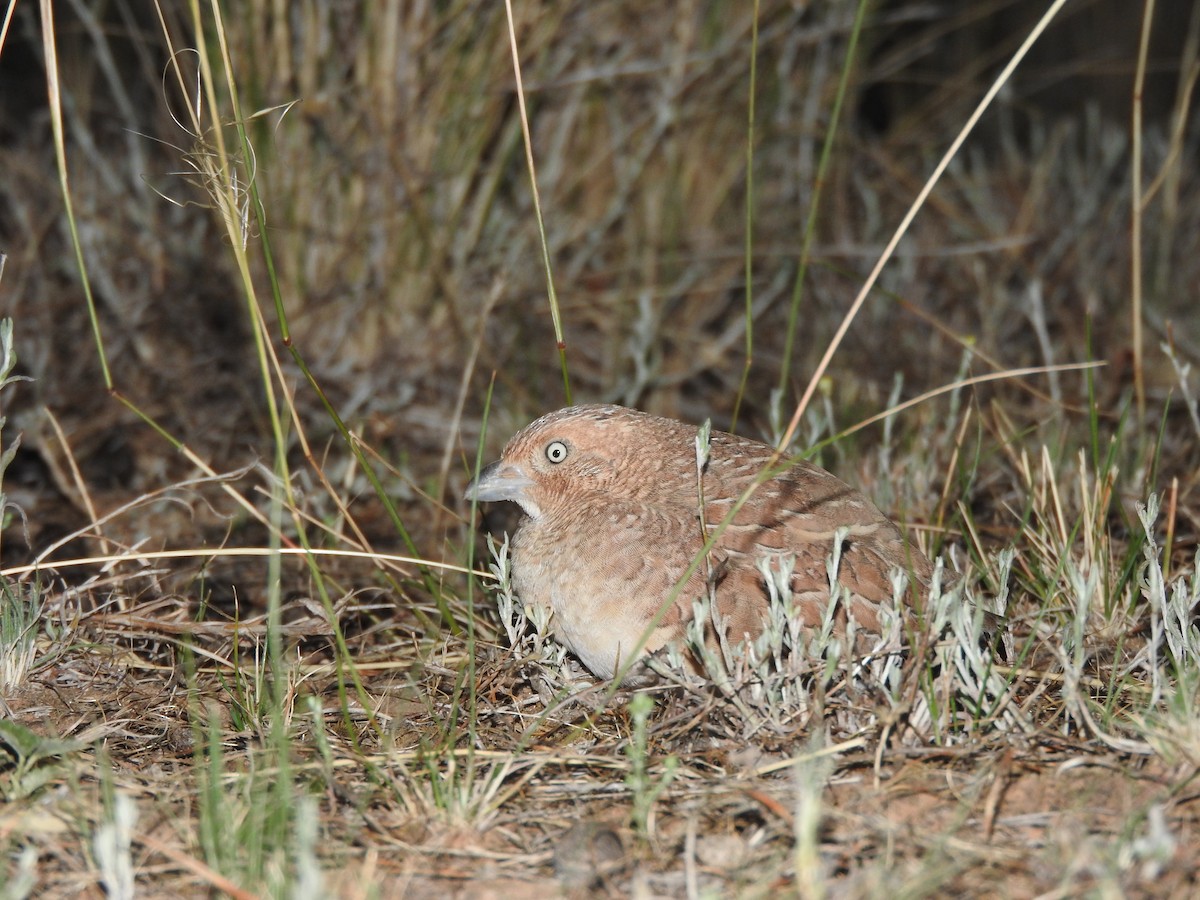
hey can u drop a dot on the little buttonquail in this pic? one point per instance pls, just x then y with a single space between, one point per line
612 522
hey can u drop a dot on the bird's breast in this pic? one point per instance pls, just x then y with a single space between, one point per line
607 584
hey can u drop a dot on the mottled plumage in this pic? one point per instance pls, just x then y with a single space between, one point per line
613 521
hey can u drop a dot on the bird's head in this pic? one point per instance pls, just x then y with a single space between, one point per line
563 457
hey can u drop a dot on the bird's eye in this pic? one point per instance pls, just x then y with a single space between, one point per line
556 451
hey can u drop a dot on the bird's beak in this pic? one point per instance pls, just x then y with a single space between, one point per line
499 481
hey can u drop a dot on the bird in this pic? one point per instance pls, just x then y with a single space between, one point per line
617 509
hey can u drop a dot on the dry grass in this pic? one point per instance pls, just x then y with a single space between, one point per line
250 714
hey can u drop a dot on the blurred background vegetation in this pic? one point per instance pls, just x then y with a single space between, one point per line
387 146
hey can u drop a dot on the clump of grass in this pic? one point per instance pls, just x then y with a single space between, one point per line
20 603
791 678
8 449
249 812
1170 660
454 789
21 608
643 789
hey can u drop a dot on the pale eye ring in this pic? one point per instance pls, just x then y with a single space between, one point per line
556 451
